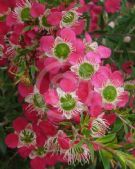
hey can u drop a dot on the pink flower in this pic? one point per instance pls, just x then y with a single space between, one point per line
23 137
60 48
110 87
112 6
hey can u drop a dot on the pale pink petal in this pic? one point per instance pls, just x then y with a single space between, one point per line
104 52
93 57
51 97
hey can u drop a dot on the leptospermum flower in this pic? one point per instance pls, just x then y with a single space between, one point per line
43 22
87 67
24 135
60 48
69 103
69 18
36 102
22 11
102 51
110 88
77 154
98 126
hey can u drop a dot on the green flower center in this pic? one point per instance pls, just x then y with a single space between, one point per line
38 101
25 13
62 51
69 17
110 93
68 103
86 70
40 151
27 136
44 22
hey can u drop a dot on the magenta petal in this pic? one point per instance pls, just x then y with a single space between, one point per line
117 78
51 97
109 106
88 37
54 18
37 9
95 110
37 163
80 47
110 118
24 151
123 99
24 90
46 43
69 82
68 34
74 58
11 140
19 124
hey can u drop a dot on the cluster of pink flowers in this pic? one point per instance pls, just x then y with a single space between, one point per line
71 94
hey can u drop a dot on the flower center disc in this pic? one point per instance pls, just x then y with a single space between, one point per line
40 151
27 136
44 22
38 101
62 51
110 93
86 70
68 103
25 13
69 17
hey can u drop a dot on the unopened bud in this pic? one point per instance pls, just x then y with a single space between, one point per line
111 24
127 39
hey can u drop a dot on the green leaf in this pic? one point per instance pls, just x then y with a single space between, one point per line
105 158
107 139
118 125
91 148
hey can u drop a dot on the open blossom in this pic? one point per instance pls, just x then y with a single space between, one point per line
110 88
24 137
62 47
68 90
36 102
